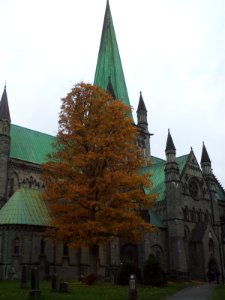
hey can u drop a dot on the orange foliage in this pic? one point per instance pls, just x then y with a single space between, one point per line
93 188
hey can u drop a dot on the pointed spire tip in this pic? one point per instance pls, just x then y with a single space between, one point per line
169 142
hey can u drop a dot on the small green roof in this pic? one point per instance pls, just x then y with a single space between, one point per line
109 65
156 169
220 192
29 145
25 207
181 160
155 220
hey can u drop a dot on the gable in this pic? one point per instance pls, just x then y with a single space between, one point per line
29 145
191 166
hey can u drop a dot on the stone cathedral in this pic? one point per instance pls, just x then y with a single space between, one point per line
189 211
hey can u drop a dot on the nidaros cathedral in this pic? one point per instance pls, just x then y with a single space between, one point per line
189 211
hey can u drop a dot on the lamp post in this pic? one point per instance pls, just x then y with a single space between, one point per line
132 287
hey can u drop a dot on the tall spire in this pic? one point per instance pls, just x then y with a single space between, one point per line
4 107
109 62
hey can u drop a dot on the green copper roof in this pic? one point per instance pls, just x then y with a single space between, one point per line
109 63
25 207
156 170
181 160
29 145
220 192
155 220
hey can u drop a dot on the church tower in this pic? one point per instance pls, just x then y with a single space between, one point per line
4 146
177 261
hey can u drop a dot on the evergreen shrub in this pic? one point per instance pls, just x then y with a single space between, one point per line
153 274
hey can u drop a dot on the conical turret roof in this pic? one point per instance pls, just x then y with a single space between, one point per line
205 157
4 107
109 62
169 143
141 104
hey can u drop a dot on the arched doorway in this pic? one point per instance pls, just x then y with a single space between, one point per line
212 270
157 251
129 252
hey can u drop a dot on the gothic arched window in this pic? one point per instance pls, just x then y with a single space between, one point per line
65 249
16 246
42 246
193 215
211 245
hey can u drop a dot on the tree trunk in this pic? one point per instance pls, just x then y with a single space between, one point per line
93 259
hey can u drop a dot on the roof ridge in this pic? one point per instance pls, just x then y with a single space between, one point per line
33 130
157 157
182 156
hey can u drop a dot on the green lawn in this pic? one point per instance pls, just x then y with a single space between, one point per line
219 292
100 291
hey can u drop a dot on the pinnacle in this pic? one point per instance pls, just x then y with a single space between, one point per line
4 107
141 104
205 157
169 142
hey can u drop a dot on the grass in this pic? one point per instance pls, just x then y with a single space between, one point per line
219 292
99 291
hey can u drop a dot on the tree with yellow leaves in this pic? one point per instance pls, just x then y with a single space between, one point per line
94 187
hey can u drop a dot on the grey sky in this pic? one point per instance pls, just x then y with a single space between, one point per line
171 50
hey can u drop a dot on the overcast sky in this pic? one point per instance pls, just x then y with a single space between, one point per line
171 50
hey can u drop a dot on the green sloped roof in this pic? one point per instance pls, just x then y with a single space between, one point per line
109 62
181 160
29 145
156 160
220 192
154 220
157 179
156 169
25 207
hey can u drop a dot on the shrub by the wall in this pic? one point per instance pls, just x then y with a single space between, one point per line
152 272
